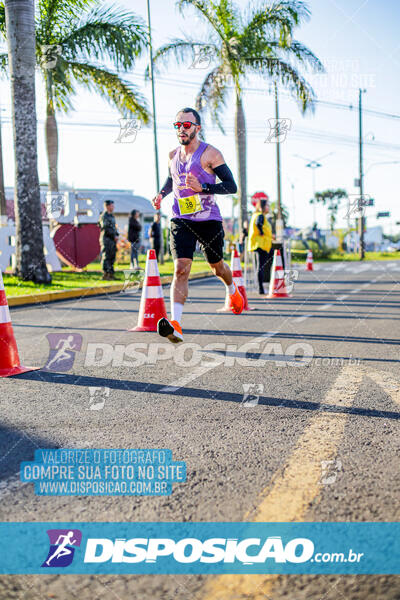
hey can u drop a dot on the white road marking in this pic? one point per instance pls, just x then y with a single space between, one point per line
324 307
176 385
340 298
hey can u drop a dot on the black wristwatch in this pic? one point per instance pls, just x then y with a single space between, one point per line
204 187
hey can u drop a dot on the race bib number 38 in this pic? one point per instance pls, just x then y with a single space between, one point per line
190 205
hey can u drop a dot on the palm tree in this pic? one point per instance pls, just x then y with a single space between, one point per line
259 42
331 199
75 39
3 207
20 23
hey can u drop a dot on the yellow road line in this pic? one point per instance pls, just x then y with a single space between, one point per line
290 492
387 383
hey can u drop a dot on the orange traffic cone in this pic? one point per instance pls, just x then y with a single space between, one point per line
277 286
9 359
238 279
152 307
309 261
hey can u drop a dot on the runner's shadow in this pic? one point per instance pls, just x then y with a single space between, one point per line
187 392
16 446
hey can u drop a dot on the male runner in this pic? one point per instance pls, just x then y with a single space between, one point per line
193 167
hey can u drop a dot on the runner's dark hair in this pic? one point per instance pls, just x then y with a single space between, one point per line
191 110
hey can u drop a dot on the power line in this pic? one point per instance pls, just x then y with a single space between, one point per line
338 105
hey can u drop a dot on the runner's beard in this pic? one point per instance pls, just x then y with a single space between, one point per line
187 140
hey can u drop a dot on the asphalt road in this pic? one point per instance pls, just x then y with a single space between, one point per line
317 440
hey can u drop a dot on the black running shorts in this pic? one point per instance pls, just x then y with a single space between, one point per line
185 234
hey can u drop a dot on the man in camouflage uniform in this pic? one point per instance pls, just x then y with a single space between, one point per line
108 239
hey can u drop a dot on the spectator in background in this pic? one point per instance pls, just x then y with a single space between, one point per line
108 239
155 234
134 229
260 240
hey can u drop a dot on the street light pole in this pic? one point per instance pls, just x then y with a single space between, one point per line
278 158
279 220
313 164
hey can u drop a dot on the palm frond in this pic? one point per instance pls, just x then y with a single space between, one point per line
212 94
301 52
204 7
280 15
59 86
2 19
184 52
3 62
228 16
56 16
122 94
280 71
107 32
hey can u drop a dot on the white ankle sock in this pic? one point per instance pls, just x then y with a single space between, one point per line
231 288
176 311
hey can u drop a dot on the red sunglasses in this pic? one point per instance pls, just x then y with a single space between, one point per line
186 124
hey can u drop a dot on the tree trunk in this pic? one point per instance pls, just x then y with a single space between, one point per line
240 138
52 148
20 25
3 206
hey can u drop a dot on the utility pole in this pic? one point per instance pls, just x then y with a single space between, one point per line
279 220
154 122
361 175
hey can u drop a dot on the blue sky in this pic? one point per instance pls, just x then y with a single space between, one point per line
358 42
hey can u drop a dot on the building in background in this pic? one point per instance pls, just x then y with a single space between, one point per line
124 203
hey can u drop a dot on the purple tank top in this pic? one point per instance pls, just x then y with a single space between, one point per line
179 171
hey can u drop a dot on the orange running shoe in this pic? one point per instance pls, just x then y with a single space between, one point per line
170 329
236 301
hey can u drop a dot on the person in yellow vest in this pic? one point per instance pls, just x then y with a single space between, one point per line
260 240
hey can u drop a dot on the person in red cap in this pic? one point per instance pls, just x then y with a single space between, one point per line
193 167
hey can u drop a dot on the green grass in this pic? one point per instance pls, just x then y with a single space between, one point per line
68 279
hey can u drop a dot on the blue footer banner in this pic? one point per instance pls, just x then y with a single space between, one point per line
207 548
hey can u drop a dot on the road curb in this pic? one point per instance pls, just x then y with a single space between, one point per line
113 288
